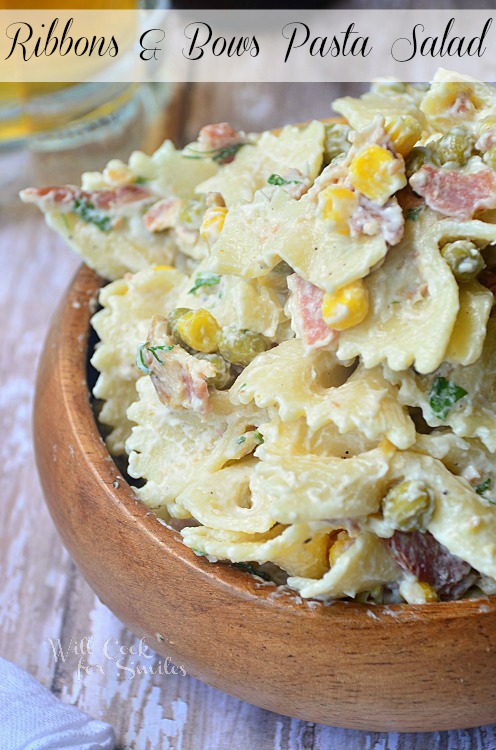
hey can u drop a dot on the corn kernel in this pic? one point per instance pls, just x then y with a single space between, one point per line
199 330
408 506
212 224
417 592
341 544
376 173
404 133
429 593
347 307
163 268
447 100
337 204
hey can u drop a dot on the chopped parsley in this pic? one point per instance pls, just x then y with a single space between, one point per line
87 212
140 180
218 155
276 179
206 278
483 486
140 362
258 437
413 213
443 396
154 349
241 440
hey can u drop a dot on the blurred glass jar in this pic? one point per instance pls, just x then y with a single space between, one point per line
51 132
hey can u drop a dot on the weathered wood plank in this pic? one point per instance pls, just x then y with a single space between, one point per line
34 565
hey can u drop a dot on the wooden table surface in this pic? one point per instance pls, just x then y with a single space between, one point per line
44 602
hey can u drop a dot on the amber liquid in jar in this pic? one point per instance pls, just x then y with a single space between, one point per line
27 108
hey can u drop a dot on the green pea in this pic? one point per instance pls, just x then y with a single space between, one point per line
223 377
418 156
336 141
464 259
408 506
455 147
241 347
172 320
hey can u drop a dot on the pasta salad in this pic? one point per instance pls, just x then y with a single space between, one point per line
297 351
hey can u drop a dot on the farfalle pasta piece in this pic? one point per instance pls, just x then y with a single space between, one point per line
224 500
315 488
169 448
128 304
454 99
463 398
296 438
103 221
413 288
465 457
364 564
300 549
104 226
268 154
469 332
327 258
322 390
392 106
245 246
286 379
463 521
366 403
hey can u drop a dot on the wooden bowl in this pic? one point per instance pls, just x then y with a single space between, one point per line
402 667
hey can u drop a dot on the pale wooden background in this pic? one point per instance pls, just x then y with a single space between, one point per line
42 595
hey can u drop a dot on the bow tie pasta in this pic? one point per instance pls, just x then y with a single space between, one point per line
297 349
121 325
296 148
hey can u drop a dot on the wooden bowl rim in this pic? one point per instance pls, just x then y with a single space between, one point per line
77 308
